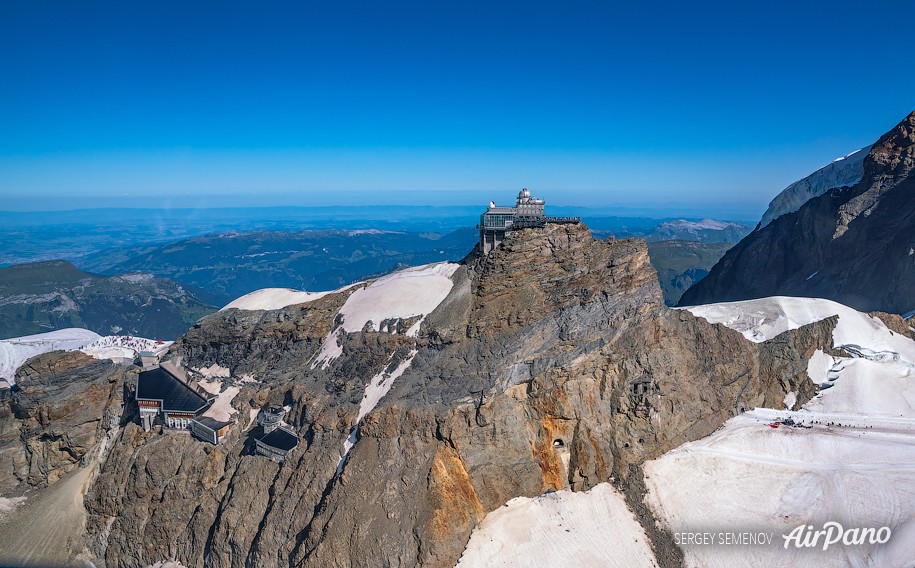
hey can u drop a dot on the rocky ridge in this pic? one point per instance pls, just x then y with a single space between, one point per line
853 244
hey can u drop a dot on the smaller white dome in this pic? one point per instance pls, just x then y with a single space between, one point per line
524 193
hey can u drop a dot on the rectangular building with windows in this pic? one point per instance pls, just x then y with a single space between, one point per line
160 393
209 429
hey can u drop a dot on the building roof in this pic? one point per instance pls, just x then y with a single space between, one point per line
212 423
499 209
159 384
281 439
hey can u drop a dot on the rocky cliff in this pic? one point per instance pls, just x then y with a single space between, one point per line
854 245
552 363
62 406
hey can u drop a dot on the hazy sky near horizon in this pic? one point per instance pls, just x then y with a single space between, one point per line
441 103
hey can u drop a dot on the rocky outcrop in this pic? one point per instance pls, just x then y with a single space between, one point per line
552 363
61 407
854 245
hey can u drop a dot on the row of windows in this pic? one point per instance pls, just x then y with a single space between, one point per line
179 423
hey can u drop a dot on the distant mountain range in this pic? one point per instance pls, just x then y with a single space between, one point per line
232 264
845 233
46 296
160 289
680 264
704 231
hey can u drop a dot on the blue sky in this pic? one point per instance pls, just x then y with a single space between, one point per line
443 103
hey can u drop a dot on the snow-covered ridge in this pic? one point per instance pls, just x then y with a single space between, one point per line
273 299
762 319
412 292
843 171
404 294
16 351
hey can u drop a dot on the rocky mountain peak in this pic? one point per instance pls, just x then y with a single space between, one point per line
890 161
827 247
894 153
539 271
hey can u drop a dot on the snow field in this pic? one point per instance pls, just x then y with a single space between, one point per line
16 351
565 528
273 299
853 465
405 294
749 476
408 293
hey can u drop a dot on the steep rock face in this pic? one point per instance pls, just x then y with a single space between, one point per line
63 404
854 245
552 363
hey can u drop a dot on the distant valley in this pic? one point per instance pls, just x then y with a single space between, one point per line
46 296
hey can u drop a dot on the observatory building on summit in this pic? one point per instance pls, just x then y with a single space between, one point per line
527 213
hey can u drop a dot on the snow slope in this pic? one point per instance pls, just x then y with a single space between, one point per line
377 387
763 319
16 351
844 171
273 299
404 294
593 528
851 463
408 293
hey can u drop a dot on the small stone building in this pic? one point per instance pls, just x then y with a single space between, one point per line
276 443
150 358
